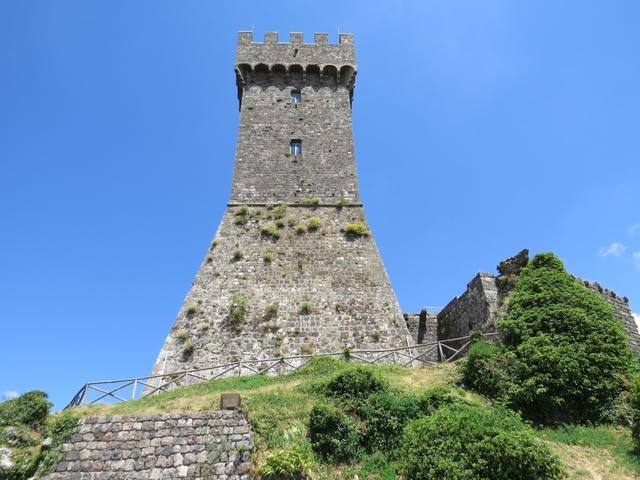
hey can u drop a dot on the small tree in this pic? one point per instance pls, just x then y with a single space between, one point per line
564 356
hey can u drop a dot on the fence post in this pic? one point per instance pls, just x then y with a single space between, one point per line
135 387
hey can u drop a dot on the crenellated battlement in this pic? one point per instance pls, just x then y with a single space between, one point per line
296 62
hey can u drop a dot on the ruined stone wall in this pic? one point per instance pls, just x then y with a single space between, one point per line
477 309
423 329
422 326
621 310
215 445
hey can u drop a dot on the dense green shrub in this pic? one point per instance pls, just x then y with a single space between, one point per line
385 416
437 397
490 370
471 442
563 357
58 428
294 464
333 435
355 385
30 409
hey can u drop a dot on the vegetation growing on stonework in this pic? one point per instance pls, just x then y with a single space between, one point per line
237 253
279 211
309 201
190 311
305 308
237 312
25 423
357 229
314 223
341 202
270 230
267 256
292 220
271 311
182 335
301 229
187 348
242 215
563 358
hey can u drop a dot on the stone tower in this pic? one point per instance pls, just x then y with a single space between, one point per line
293 268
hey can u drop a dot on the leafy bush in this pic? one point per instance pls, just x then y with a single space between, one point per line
314 223
30 409
490 370
58 428
470 442
564 356
333 435
294 464
385 416
355 385
358 229
435 398
237 312
270 230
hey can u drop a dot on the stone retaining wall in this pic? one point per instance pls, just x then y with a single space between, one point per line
212 445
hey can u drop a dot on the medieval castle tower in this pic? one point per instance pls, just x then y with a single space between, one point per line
293 268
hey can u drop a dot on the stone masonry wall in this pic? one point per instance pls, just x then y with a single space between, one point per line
621 310
423 329
212 445
322 290
305 286
478 308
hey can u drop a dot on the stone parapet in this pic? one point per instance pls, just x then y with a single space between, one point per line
213 445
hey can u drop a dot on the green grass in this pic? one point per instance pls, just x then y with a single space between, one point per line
278 408
616 442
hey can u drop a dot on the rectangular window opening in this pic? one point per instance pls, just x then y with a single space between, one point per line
296 96
295 147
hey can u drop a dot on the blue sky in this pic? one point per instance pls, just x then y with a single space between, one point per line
480 128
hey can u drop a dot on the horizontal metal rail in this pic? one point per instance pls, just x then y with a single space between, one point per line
410 356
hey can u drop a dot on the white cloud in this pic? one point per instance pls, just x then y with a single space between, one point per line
616 249
636 317
9 394
636 258
633 229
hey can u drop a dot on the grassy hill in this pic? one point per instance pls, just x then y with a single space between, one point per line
279 407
